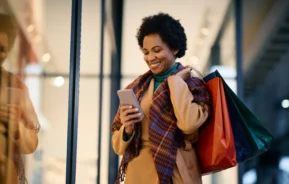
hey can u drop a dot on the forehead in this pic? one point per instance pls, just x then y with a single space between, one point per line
152 40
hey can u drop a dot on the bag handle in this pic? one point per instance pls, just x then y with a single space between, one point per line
200 75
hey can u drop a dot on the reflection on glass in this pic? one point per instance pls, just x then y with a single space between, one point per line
18 121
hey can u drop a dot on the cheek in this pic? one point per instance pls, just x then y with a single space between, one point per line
161 56
165 57
145 58
170 57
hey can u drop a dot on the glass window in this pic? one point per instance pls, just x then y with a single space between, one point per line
35 46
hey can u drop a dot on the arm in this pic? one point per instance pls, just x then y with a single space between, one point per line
28 126
18 112
190 115
119 143
123 127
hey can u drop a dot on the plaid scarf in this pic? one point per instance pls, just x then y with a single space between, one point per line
162 127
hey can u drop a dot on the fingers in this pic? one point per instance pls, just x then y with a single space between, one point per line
133 118
10 108
4 116
126 110
9 113
124 107
129 115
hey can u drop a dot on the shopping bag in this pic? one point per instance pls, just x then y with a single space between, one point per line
251 138
215 147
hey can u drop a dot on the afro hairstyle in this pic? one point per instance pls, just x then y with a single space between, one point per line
8 26
169 29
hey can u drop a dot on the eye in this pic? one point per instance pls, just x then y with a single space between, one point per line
157 50
145 52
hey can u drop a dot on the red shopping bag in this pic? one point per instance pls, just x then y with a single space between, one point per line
215 147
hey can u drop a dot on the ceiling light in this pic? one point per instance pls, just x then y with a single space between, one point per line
284 164
250 176
285 103
46 57
59 81
205 31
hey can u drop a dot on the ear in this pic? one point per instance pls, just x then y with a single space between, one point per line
175 52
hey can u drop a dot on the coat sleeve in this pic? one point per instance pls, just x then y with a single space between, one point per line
190 115
119 141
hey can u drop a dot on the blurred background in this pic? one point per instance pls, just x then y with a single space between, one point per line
247 42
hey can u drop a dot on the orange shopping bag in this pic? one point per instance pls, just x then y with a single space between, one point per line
215 147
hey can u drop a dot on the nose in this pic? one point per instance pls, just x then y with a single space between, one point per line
151 57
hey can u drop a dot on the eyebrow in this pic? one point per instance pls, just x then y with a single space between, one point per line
153 47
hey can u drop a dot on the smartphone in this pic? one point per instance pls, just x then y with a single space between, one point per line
127 97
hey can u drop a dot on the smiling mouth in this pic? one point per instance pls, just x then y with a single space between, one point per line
154 65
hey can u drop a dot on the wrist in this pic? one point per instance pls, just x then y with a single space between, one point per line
128 131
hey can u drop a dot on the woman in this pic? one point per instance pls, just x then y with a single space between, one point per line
158 148
18 121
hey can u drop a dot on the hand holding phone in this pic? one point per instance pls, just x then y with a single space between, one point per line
130 110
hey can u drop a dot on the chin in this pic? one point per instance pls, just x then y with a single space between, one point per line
156 71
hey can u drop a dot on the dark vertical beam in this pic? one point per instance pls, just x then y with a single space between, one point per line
215 55
224 25
239 60
103 19
73 91
239 47
117 16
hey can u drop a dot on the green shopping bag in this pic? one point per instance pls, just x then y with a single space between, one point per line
258 137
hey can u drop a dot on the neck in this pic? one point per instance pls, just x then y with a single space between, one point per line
167 72
159 78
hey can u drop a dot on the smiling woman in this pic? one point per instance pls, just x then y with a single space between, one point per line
175 106
158 56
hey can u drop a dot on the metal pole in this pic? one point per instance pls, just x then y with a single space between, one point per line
239 60
117 18
239 48
73 91
100 89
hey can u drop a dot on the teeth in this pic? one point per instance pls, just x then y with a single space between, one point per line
155 64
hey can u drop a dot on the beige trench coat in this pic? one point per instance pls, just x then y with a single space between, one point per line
190 117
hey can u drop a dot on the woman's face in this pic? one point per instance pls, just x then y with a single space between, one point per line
3 47
158 56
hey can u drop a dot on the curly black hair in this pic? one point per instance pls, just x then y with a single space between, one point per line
169 29
8 26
